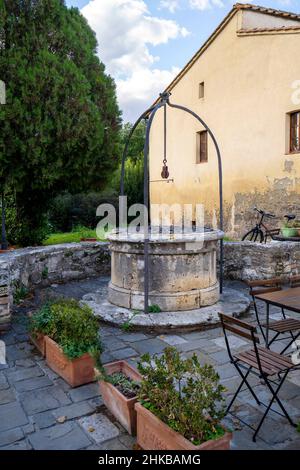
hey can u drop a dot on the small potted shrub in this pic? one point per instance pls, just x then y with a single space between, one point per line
39 326
72 341
119 385
288 229
296 226
180 405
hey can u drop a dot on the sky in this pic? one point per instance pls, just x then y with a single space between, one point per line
145 43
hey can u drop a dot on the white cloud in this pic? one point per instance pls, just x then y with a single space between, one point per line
138 91
171 5
205 4
125 29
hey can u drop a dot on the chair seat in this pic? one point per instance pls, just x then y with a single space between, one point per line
271 362
282 326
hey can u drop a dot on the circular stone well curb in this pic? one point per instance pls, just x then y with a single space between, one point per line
232 302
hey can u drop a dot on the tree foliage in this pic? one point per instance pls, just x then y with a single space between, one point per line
61 121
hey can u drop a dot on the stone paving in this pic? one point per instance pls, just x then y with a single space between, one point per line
38 410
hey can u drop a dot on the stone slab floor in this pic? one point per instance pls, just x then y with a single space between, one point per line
38 410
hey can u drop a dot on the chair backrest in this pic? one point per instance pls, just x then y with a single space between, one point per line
295 281
263 286
239 328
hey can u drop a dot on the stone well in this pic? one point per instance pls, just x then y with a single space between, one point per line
182 270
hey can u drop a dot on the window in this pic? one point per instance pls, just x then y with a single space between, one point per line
201 90
202 156
295 132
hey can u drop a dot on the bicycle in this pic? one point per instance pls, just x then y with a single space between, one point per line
261 231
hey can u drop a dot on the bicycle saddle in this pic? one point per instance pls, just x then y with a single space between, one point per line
290 216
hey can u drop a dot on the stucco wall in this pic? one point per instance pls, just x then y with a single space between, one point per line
248 89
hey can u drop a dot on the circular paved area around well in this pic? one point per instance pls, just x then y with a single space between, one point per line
232 302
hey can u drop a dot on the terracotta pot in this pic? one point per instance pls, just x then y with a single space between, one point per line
75 372
120 406
39 342
153 434
288 232
4 300
7 251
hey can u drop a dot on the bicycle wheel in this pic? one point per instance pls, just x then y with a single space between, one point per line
249 236
259 234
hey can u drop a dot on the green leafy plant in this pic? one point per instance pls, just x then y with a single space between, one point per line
154 308
45 272
186 396
71 325
127 326
124 384
42 321
295 223
20 293
298 427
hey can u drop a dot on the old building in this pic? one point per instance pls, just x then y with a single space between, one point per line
245 83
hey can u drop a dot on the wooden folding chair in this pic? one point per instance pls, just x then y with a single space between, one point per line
294 281
286 326
259 361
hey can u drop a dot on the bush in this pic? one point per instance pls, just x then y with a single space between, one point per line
183 394
133 181
68 211
72 326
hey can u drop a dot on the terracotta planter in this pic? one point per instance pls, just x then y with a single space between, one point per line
153 434
76 372
289 232
120 406
4 300
39 342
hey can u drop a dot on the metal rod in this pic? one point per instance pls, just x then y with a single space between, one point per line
124 156
220 172
165 133
146 205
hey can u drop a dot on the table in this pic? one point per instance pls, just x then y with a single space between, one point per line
288 299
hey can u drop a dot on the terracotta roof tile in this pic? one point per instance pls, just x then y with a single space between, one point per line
268 11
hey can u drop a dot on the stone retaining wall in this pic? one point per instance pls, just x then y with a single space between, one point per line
248 260
41 266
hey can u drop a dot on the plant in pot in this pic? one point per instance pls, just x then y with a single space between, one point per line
71 334
119 385
180 405
296 226
288 229
40 325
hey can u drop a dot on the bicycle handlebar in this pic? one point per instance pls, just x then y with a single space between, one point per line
265 214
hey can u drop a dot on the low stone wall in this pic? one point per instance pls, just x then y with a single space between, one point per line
41 266
248 260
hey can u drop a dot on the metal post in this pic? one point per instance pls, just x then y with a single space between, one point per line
146 205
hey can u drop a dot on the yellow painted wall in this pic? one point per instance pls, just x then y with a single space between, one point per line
248 89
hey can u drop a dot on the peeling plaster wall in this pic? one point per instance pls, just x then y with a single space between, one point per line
248 95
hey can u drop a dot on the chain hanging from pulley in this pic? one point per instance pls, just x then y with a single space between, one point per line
165 170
